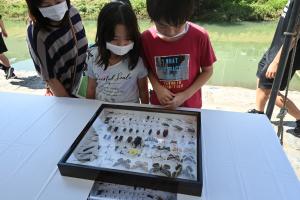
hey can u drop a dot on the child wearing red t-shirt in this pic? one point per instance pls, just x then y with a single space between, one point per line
178 54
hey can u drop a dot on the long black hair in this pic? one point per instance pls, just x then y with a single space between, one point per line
111 15
39 20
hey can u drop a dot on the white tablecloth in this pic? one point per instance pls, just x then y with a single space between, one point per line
242 158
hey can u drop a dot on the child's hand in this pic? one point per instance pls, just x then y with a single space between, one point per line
272 69
164 95
177 101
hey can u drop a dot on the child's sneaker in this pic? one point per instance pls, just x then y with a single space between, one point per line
297 129
10 73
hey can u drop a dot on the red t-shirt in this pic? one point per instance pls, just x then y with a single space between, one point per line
177 64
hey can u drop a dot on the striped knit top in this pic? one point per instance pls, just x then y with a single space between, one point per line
54 52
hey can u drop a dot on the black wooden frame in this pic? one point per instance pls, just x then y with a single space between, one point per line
174 185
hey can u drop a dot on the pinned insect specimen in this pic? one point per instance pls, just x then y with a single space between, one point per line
123 162
177 172
165 124
165 132
109 128
106 121
179 128
191 130
137 142
116 129
158 132
134 152
141 165
129 139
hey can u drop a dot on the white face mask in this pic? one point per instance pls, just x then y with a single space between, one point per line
186 28
56 12
119 50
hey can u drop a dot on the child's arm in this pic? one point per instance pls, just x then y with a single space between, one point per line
163 94
57 88
272 69
2 28
91 88
143 90
181 97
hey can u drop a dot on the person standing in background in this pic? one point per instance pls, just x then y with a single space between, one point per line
268 66
4 62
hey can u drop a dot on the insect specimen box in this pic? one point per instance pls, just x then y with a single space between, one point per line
139 146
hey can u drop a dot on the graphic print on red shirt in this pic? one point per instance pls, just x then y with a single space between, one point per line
172 68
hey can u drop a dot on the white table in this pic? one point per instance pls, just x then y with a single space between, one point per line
242 158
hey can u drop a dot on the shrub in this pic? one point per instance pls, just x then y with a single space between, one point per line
139 7
225 10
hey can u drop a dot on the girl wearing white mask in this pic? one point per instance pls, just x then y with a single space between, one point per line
57 44
115 70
